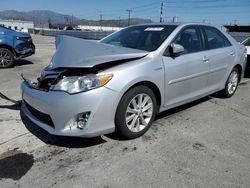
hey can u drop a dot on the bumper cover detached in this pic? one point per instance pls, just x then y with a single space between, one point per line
57 112
25 50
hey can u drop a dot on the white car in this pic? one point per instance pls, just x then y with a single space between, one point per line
247 69
120 83
247 44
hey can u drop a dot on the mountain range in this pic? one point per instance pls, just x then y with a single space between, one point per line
46 16
37 16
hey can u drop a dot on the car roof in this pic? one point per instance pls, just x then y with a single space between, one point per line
176 24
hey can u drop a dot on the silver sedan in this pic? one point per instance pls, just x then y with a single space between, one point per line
120 83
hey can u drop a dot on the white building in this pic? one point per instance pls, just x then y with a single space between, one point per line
98 28
18 24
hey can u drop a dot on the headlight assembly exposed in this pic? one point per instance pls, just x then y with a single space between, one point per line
76 84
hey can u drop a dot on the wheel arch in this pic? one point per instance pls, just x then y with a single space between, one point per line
9 48
151 86
240 69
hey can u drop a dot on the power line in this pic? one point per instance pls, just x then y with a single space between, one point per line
146 5
208 6
175 8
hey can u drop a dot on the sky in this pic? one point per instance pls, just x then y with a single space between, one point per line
210 11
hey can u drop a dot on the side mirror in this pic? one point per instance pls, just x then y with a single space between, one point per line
177 48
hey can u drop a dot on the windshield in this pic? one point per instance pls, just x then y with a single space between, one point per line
147 38
246 42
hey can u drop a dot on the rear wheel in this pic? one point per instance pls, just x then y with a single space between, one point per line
135 112
6 58
231 84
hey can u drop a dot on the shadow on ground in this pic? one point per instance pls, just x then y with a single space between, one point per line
15 164
168 113
11 107
62 141
22 62
181 108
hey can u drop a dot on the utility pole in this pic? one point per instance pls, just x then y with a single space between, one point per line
101 20
235 22
129 14
175 19
119 22
161 14
66 19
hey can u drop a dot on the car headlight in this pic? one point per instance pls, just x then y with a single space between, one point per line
24 38
76 84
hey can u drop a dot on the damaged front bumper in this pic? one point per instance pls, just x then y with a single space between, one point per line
24 49
58 112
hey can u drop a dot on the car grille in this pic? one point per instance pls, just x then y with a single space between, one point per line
45 118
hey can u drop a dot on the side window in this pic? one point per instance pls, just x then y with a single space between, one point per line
215 39
189 38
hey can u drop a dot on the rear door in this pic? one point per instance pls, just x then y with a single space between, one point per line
186 75
220 54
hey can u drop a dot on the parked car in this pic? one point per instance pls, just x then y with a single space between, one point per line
14 45
120 83
247 44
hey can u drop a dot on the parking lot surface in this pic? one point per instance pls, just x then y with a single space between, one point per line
202 144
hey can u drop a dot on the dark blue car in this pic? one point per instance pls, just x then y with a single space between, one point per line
14 45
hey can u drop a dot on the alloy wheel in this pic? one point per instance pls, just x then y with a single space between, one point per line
232 82
139 112
5 58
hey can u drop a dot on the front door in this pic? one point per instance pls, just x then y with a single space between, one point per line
186 75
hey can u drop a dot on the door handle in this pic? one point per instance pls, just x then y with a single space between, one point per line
232 53
205 59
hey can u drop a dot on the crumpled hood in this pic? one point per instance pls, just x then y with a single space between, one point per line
73 52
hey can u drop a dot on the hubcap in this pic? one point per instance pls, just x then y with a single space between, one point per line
5 58
139 112
232 82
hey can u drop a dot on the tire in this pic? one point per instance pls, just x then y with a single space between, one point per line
6 58
132 119
231 84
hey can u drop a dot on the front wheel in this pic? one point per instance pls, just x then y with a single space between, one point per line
6 58
232 83
135 112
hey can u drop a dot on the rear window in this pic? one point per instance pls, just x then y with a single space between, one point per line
215 39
